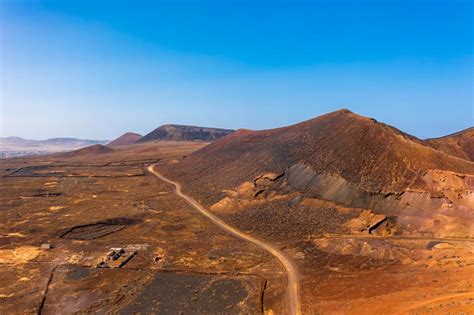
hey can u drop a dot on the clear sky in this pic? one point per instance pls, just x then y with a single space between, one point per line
96 69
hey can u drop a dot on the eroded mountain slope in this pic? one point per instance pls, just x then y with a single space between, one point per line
371 155
460 144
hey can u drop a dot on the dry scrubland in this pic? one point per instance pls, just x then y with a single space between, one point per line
83 205
376 221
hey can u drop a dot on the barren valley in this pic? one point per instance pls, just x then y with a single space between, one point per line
339 214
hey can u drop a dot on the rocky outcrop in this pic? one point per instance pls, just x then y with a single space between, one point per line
445 210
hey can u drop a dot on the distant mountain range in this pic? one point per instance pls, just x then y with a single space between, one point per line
16 146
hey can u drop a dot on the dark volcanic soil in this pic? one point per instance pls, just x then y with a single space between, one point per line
126 291
173 293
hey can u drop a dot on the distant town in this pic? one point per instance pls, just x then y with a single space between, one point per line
11 154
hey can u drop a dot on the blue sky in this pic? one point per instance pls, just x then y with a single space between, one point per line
96 69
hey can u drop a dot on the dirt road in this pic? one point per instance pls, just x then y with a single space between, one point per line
292 290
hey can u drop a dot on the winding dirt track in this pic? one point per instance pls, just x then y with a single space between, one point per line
292 290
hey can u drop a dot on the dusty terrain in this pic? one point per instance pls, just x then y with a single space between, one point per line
292 301
377 221
85 204
371 220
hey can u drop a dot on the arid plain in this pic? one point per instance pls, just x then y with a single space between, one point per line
371 219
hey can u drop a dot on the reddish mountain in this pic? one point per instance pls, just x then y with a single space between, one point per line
460 144
125 139
374 156
185 133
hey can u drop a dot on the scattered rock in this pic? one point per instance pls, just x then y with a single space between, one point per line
367 221
55 208
46 246
441 245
